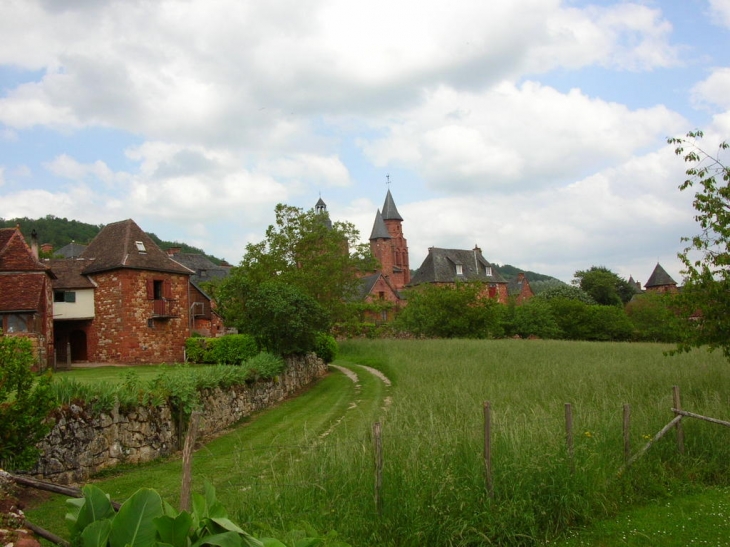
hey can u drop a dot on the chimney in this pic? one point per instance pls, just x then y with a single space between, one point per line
34 243
520 277
172 251
477 249
47 248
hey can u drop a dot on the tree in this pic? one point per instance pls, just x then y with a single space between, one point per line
306 250
451 311
706 258
566 292
655 318
24 406
283 319
604 286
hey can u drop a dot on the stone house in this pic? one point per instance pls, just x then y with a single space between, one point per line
203 314
123 300
26 295
451 266
519 288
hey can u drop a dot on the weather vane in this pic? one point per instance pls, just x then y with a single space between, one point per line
387 179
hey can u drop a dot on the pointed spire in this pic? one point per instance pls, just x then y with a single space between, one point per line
380 231
659 278
389 210
321 206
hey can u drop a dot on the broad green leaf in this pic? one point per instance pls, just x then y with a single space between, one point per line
174 531
96 534
73 514
226 539
134 524
94 506
228 525
169 510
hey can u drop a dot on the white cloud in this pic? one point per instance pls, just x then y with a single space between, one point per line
720 11
513 138
67 167
714 90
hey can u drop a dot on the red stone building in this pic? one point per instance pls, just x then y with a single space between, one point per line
26 295
122 300
389 246
519 288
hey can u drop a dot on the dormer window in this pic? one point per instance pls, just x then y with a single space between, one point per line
459 269
488 271
140 246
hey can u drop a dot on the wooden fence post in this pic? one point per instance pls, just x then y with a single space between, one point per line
187 461
569 434
680 430
378 446
627 432
488 448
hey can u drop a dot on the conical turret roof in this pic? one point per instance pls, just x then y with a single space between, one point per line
380 230
390 212
659 277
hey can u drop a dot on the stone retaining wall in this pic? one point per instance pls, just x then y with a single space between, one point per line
81 444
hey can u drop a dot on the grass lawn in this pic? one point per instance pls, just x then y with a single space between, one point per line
310 459
113 375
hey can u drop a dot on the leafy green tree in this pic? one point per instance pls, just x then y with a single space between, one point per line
535 318
706 258
23 406
655 318
565 292
283 319
307 251
604 286
451 311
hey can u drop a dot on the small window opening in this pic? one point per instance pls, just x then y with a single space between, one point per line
140 246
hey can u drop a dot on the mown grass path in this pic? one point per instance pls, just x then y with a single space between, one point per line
256 453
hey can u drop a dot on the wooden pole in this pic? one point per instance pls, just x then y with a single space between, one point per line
187 461
627 432
680 430
45 534
648 445
70 491
700 417
378 447
569 434
488 448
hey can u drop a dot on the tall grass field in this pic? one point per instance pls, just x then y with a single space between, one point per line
432 420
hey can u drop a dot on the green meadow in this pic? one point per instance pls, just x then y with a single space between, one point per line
309 463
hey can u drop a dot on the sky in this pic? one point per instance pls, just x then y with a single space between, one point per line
535 129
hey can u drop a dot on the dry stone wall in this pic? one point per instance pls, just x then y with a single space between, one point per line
81 444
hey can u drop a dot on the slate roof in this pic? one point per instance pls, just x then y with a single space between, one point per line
116 247
514 286
390 212
68 274
440 266
204 269
380 230
659 278
368 282
72 250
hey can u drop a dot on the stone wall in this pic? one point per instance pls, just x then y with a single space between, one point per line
81 444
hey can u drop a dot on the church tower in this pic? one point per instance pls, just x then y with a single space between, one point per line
389 246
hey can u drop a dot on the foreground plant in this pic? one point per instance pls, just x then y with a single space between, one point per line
146 520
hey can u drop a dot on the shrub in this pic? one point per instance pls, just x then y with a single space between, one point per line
23 406
233 349
535 318
266 365
326 347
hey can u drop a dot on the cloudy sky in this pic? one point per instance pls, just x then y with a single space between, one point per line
534 128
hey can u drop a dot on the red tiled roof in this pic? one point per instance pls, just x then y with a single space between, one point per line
68 274
116 246
15 254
